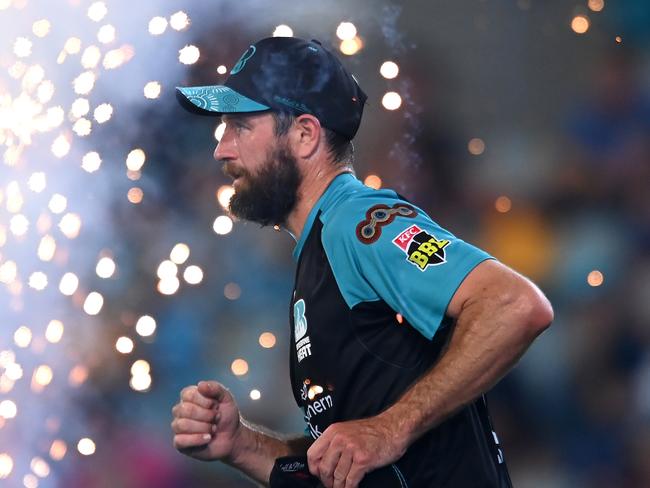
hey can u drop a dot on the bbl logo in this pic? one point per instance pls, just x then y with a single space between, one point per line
421 248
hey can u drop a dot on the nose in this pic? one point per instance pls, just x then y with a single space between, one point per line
225 149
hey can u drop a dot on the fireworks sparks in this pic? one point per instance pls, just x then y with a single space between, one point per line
179 21
97 11
189 54
152 90
157 26
91 162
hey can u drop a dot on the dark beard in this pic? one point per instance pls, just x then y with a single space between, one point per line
269 196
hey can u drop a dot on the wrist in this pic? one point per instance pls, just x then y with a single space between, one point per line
243 442
399 427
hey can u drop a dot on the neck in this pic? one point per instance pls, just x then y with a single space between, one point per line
315 182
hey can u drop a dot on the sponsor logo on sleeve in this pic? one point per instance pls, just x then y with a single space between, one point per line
377 216
422 249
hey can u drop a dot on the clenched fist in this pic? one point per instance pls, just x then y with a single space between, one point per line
206 422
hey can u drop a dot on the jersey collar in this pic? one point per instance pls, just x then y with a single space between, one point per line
334 188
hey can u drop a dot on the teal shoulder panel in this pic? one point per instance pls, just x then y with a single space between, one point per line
382 247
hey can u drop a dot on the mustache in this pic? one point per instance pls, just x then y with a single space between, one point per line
232 170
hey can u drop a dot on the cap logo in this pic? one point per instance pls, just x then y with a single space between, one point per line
242 61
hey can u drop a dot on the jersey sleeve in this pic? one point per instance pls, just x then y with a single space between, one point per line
387 249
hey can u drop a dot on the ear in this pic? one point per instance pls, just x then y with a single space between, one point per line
306 135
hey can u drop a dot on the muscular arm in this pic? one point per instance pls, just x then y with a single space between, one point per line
498 314
207 426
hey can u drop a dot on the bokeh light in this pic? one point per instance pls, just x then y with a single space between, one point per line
8 409
23 336
54 331
224 194
267 340
93 303
239 367
595 278
476 146
124 345
58 449
503 204
283 30
222 225
596 5
46 248
135 159
135 195
105 267
180 253
255 395
232 291
6 465
389 70
68 284
346 31
580 24
145 326
193 275
391 100
350 47
86 446
373 181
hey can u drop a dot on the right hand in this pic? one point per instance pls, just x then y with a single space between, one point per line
206 422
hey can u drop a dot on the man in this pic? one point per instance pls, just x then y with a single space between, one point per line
397 326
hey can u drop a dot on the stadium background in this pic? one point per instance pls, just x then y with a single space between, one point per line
523 127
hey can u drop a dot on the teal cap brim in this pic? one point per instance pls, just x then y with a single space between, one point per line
216 100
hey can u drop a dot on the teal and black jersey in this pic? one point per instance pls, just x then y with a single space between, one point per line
374 277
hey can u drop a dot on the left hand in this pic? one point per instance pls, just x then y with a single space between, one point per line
346 451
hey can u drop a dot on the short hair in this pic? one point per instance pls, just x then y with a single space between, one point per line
340 147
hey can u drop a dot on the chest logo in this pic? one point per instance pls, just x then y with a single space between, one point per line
303 344
422 249
377 216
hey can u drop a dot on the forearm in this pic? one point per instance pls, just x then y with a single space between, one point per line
258 448
489 337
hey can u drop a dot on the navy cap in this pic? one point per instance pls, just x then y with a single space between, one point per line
285 74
